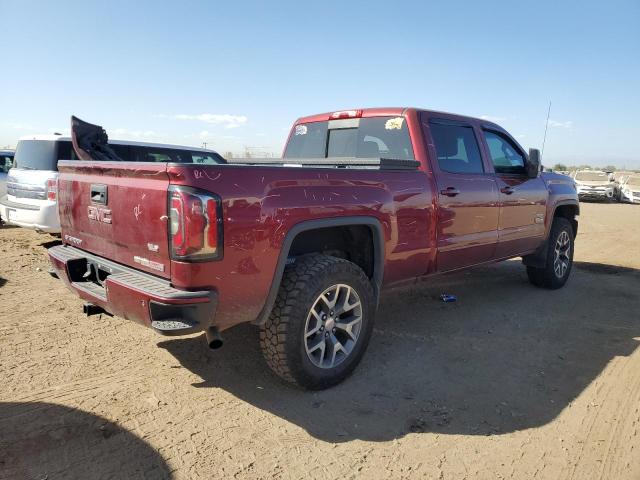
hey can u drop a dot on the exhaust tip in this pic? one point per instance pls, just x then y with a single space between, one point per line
214 339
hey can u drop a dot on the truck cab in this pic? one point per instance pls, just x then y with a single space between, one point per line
490 205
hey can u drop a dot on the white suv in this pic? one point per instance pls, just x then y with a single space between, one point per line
6 162
31 199
594 184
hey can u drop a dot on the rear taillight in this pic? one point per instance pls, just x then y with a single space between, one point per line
195 224
212 219
52 189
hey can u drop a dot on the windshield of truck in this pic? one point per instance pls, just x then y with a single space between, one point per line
375 137
41 154
592 177
633 181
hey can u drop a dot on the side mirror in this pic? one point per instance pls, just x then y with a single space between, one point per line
533 163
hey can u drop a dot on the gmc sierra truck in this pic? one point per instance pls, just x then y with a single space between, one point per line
302 246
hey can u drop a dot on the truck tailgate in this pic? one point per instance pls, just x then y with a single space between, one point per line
116 210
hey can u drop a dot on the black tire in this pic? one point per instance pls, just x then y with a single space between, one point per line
550 276
283 337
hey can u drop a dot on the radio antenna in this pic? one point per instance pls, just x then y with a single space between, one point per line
544 140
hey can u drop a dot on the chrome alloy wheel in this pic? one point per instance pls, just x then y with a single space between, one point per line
562 252
333 326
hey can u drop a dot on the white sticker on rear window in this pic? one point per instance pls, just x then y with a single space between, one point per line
301 129
394 123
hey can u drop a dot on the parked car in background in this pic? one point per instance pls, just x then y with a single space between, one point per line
630 188
31 198
302 246
6 162
619 176
594 185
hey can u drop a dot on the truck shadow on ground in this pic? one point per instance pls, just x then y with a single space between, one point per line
42 440
506 356
51 243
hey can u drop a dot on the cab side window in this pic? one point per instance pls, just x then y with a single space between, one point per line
506 157
457 148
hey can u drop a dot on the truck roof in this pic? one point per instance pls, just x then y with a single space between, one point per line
52 137
389 111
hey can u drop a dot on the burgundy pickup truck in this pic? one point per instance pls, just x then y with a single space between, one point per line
303 245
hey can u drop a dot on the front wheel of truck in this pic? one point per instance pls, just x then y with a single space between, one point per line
559 260
321 322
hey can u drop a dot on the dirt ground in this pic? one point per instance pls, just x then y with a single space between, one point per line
509 382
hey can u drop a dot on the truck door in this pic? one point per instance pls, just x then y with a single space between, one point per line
521 226
467 195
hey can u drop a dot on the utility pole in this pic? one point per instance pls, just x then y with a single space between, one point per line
204 144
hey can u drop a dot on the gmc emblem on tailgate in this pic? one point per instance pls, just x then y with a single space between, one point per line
99 214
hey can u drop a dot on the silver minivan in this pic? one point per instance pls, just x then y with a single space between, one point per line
31 199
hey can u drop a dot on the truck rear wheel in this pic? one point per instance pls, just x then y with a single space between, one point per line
559 261
321 322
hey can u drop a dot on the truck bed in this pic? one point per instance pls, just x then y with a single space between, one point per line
261 203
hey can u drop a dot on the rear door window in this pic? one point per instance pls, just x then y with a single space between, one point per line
457 148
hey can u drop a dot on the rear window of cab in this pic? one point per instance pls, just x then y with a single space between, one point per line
373 137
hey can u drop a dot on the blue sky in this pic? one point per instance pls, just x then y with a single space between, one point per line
236 74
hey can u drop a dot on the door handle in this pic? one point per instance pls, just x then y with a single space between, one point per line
507 190
450 191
